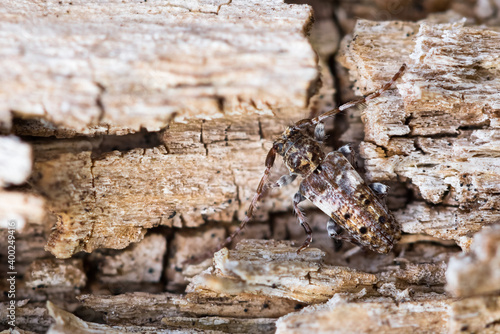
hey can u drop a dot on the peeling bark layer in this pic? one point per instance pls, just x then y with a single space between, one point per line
439 130
115 67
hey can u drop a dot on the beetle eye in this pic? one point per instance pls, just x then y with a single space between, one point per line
279 147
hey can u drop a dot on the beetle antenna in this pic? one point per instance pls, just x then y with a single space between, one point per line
271 156
314 121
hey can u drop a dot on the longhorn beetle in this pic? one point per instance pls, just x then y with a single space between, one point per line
331 183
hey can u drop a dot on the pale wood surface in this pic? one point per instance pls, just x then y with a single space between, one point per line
268 279
376 315
273 268
17 207
50 273
220 79
15 165
195 176
192 173
247 291
478 272
22 208
116 67
439 130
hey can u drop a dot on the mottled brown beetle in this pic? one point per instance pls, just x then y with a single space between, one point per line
331 183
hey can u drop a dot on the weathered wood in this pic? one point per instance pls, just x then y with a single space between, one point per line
21 208
56 273
15 162
448 223
423 314
185 246
350 11
427 313
17 331
29 316
377 315
476 315
478 272
244 68
107 190
149 308
258 280
156 61
224 325
66 322
273 268
422 132
197 172
29 247
140 263
205 310
249 287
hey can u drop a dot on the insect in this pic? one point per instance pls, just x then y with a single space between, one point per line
357 212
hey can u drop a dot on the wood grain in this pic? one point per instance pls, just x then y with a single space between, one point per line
114 67
439 129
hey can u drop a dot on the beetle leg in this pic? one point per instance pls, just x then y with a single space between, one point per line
258 194
297 198
319 132
348 152
335 231
379 189
271 156
284 181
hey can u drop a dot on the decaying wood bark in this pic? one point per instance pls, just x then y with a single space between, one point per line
425 314
370 315
217 106
163 123
261 279
199 59
248 288
274 269
192 173
440 129
478 272
66 322
15 168
349 11
208 74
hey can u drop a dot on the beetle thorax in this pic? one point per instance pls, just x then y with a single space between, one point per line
301 153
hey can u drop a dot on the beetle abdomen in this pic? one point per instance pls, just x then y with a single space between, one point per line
337 189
